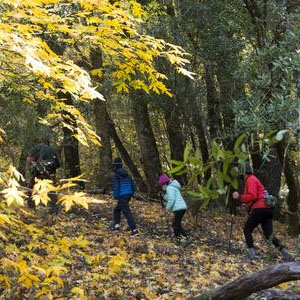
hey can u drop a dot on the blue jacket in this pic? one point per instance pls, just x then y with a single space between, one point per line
122 184
173 197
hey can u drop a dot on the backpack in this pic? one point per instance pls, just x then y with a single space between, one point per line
270 200
46 166
48 161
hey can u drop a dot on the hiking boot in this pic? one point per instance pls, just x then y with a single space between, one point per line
251 254
134 232
116 227
179 240
286 255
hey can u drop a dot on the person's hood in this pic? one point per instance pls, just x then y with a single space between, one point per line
175 184
122 172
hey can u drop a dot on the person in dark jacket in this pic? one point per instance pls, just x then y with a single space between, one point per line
43 161
259 213
123 189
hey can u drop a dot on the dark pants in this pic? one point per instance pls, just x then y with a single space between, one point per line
123 206
264 217
178 230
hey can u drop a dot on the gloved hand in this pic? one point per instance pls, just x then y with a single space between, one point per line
235 195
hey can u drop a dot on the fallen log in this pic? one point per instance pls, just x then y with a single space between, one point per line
248 284
275 295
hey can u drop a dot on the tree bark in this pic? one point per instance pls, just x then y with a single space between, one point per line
293 198
174 130
268 172
70 144
102 130
276 295
231 88
248 284
148 148
213 104
198 122
105 153
126 157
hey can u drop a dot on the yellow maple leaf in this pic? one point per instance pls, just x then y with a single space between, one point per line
150 295
55 270
3 237
5 280
12 195
116 263
4 219
43 291
54 279
78 291
284 285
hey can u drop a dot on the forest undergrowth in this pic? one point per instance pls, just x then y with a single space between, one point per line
76 255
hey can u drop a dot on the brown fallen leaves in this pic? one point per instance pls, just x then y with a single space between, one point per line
76 255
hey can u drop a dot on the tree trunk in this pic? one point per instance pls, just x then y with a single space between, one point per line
174 130
199 125
105 153
212 102
248 284
148 149
70 144
102 130
268 172
126 157
293 198
275 295
231 88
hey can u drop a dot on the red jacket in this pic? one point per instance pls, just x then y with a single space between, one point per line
253 193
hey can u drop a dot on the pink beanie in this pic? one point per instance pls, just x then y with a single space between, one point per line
163 179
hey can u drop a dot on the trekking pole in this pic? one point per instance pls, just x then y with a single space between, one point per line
163 208
232 211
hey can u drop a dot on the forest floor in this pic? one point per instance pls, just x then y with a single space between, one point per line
106 264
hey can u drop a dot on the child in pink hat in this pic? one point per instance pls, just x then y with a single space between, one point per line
176 204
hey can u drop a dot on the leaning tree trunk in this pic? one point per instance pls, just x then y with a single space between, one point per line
126 157
148 149
248 284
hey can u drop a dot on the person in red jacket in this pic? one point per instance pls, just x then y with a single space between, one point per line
259 213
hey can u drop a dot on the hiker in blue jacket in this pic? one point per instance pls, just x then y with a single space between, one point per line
175 203
123 189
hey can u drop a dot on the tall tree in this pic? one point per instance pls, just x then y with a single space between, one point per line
147 143
102 126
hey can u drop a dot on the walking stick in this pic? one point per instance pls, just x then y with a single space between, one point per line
163 208
232 211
